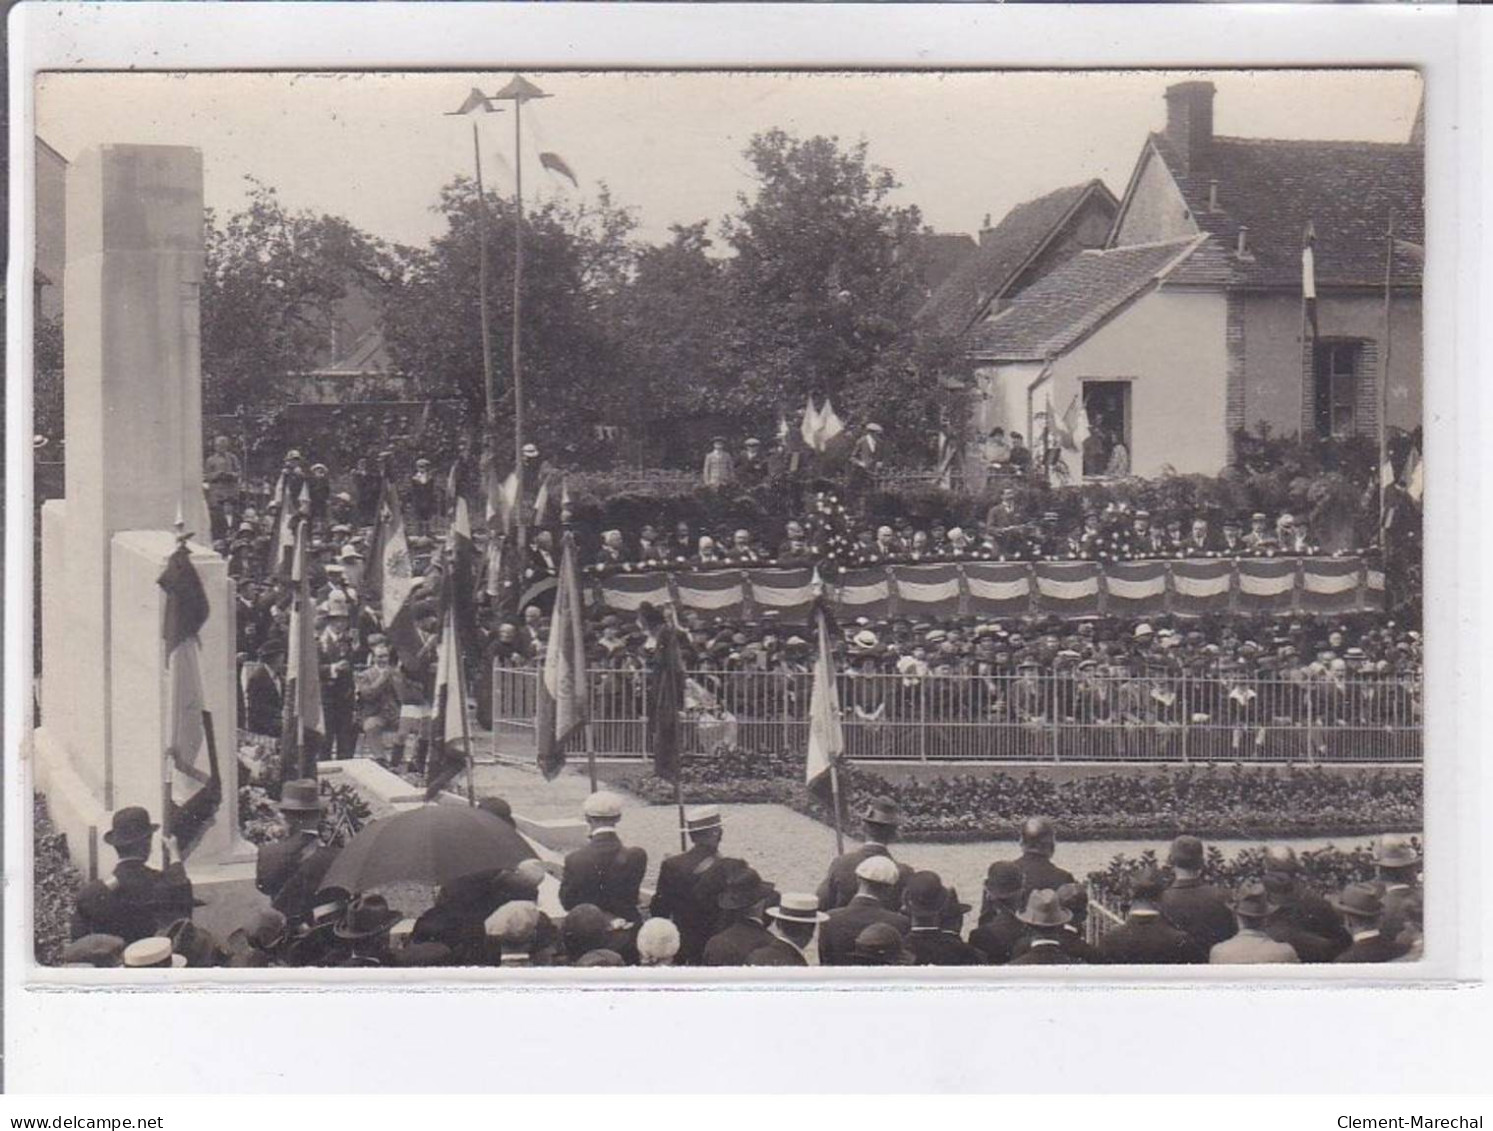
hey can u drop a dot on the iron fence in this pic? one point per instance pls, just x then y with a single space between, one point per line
1049 717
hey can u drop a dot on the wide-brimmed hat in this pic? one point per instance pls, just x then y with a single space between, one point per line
300 796
130 825
154 951
702 818
743 889
366 916
1253 901
882 811
798 907
1044 909
925 894
1393 851
1359 899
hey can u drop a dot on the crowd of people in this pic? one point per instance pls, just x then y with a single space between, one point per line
713 910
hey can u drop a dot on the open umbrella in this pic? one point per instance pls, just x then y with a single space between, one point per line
431 845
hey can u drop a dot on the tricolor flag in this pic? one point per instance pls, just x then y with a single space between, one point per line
1075 428
193 782
556 164
283 542
811 424
666 701
564 694
826 736
1415 475
459 583
1309 276
390 576
820 426
303 731
450 754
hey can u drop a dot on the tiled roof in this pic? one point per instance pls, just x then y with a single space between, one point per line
1072 301
1347 190
941 252
965 294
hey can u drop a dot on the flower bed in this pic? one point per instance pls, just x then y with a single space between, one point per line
1205 801
1325 869
56 886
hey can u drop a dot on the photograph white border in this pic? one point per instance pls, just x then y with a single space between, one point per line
1442 41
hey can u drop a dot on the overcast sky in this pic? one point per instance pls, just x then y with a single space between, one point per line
377 147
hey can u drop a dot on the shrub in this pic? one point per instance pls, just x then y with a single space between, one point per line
56 886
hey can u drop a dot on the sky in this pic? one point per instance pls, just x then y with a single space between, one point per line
377 147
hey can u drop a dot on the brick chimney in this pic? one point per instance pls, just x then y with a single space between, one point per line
1189 124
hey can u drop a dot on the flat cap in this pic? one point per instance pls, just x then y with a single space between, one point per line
602 805
877 870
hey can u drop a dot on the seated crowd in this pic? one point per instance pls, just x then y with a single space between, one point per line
709 909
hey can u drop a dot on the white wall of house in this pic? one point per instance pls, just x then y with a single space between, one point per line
1157 211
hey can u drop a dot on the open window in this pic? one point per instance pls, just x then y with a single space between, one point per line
1107 451
1335 388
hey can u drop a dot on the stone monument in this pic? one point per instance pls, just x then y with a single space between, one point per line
134 463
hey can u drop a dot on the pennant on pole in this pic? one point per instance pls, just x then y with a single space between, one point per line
556 164
564 694
1309 276
826 735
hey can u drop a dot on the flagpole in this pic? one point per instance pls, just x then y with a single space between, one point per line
1389 262
489 381
834 793
466 729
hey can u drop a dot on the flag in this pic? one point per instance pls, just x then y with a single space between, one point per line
451 750
556 164
830 425
193 781
460 582
812 424
947 451
564 694
1414 251
1309 276
283 540
1076 423
783 429
1415 475
666 701
502 501
390 576
1387 473
826 737
302 730
542 500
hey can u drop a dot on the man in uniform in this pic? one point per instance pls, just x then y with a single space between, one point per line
136 901
720 469
877 878
1191 905
1145 938
690 884
605 872
880 821
290 870
222 471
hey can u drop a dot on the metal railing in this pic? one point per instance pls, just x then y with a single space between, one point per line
1050 717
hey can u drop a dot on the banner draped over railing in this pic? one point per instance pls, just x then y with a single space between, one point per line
1187 587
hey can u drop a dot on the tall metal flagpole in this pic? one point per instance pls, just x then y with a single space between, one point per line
489 380
518 279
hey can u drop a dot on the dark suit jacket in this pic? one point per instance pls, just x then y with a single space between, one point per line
1308 911
730 947
1074 945
607 873
1045 956
941 948
1396 900
1308 947
263 700
1037 871
296 896
688 886
1200 910
785 950
1148 940
1375 948
137 901
997 938
840 884
837 935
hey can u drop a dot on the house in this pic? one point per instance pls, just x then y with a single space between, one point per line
1031 240
940 253
1189 324
353 363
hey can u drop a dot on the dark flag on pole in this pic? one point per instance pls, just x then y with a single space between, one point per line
451 750
564 693
666 701
193 780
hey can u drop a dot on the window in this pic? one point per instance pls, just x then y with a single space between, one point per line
1107 451
1336 388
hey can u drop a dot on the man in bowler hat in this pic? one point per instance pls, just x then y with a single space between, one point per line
880 821
1000 928
290 870
136 900
925 899
743 905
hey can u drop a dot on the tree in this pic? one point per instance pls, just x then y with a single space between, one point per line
270 280
576 262
826 288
